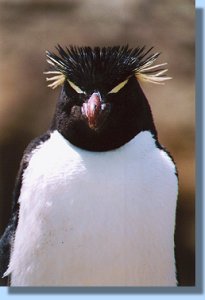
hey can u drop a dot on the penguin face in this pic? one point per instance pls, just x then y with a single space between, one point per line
101 98
96 103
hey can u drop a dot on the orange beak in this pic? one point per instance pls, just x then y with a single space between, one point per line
95 111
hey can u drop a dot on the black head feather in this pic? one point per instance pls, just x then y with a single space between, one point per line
107 66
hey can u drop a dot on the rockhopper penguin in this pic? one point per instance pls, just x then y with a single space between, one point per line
95 196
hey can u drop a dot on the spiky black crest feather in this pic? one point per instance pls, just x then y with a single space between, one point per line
97 66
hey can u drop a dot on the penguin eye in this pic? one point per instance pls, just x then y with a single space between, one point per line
118 87
75 87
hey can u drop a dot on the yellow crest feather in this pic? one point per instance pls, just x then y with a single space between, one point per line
154 74
58 79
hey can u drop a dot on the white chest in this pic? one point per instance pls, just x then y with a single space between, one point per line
96 218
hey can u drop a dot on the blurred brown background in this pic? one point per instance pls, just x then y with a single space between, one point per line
28 28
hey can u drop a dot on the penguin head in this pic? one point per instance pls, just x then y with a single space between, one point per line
101 104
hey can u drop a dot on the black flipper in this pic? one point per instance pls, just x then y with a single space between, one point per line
8 235
5 244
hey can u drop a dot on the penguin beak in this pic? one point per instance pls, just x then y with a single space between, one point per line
95 111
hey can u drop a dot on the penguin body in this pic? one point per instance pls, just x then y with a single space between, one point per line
95 197
85 225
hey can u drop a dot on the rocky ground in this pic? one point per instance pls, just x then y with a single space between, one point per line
28 28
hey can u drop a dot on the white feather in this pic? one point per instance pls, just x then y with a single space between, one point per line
96 219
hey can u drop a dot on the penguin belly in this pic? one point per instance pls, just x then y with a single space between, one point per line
96 218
